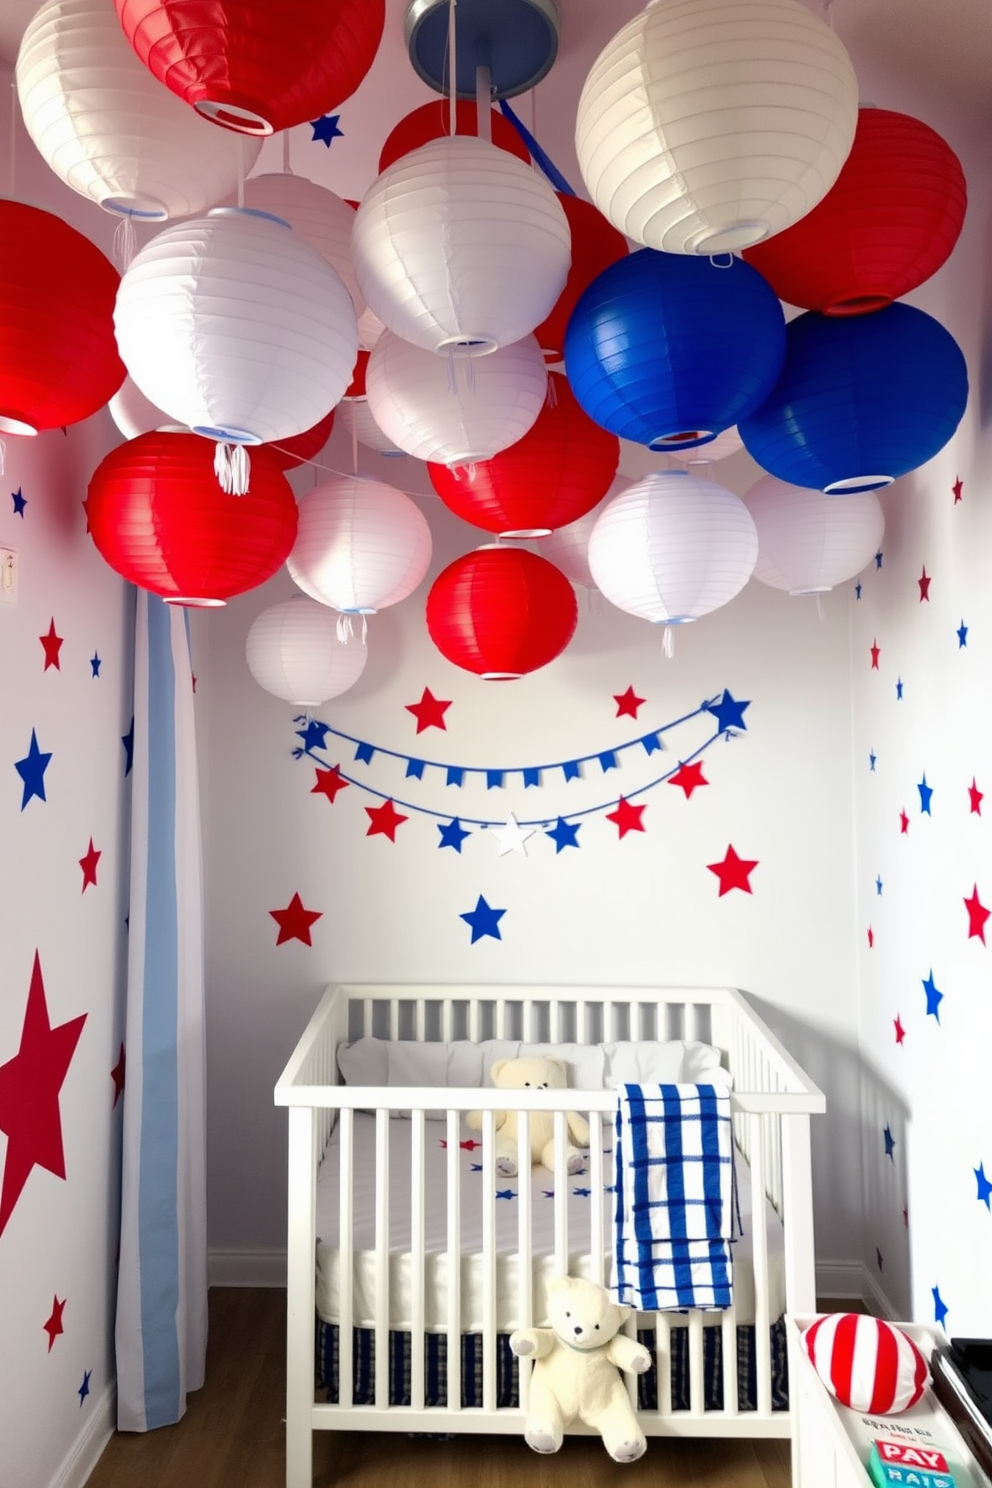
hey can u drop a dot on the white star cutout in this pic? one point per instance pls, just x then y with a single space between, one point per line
512 837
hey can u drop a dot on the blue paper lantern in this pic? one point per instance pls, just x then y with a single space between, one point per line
669 350
861 400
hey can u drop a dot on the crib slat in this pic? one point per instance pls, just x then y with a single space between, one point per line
473 1020
382 1259
696 1395
446 1020
663 1361
597 1236
489 1259
729 1341
762 1319
420 1020
525 1263
417 1216
527 1015
500 1028
346 1261
453 1329
561 1194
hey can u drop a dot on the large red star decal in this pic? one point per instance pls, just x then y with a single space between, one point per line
977 915
875 654
384 819
54 1325
688 777
900 1031
957 488
294 921
329 782
88 865
627 703
734 872
924 583
117 1074
429 712
975 796
627 817
29 1095
53 645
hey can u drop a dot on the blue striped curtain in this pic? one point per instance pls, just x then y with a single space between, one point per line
161 1329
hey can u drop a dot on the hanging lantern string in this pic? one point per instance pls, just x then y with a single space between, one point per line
452 67
12 158
286 167
241 170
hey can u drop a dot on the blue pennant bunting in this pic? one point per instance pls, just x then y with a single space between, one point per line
455 774
571 770
652 742
364 753
415 769
532 777
494 780
607 761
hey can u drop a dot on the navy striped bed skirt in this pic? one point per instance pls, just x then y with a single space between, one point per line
507 1393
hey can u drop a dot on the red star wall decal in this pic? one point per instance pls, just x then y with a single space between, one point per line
957 488
875 654
903 822
924 583
53 645
429 712
871 937
88 865
294 921
627 817
54 1325
329 782
900 1031
734 872
384 820
627 703
117 1075
688 777
29 1095
975 796
977 915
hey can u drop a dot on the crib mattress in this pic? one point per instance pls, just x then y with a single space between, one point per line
471 1270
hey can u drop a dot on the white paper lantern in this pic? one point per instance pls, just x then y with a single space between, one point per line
707 125
360 545
673 547
455 410
316 215
725 444
459 244
808 542
135 414
356 417
108 129
237 328
370 328
293 651
568 547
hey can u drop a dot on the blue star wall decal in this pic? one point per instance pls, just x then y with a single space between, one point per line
962 635
128 741
453 834
984 1186
476 1167
326 129
95 663
871 760
728 712
32 771
505 1193
899 690
857 590
484 920
939 1307
313 734
890 1142
934 998
878 885
878 560
926 791
582 1193
564 834
20 502
84 1388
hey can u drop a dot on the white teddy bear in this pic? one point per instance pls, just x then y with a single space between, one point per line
535 1074
575 1373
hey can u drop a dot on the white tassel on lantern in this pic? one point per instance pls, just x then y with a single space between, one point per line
360 545
450 410
236 328
707 125
460 244
672 548
109 129
293 652
808 542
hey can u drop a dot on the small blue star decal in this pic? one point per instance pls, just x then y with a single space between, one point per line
871 760
505 1193
564 834
899 690
857 590
878 1258
962 634
484 920
314 734
878 885
890 1142
453 834
326 129
926 791
934 998
582 1193
984 1186
20 502
128 741
476 1167
548 1193
96 664
939 1307
32 771
728 712
84 1388
878 560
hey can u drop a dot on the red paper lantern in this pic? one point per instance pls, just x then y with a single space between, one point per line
256 66
433 121
596 244
501 612
159 517
288 453
58 353
559 471
356 387
889 221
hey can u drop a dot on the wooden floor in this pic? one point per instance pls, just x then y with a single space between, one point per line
232 1436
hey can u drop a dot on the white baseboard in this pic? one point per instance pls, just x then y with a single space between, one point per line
246 1268
852 1279
88 1447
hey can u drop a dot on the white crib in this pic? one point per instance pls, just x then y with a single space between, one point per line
772 1101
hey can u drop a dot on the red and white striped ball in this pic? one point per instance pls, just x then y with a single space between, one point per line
866 1363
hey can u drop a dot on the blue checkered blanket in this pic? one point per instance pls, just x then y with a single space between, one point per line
675 1198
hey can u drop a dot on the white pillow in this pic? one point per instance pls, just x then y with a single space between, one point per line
586 1063
663 1062
434 1066
365 1062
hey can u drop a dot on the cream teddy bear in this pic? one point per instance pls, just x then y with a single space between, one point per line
575 1373
532 1074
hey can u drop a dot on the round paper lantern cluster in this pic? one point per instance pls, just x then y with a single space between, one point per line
256 66
669 351
362 545
724 445
57 346
866 1363
105 126
887 224
158 516
236 328
557 472
595 245
861 400
315 214
460 245
432 121
808 542
454 410
671 548
708 125
501 613
293 651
